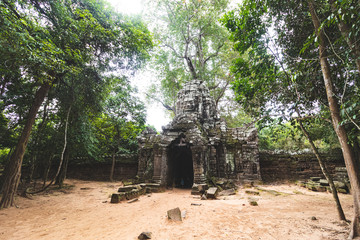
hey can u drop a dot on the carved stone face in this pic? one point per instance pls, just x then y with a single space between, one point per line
190 105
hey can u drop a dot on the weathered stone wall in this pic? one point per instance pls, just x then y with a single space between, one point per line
126 167
242 153
286 166
101 171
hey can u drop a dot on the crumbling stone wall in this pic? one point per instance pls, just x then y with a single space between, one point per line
215 150
285 166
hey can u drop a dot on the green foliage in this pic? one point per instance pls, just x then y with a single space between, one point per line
278 76
191 45
122 121
234 115
255 71
72 45
289 137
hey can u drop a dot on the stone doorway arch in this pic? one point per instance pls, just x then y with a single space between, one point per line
180 171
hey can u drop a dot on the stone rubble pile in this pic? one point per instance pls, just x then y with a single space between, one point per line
133 191
221 187
317 184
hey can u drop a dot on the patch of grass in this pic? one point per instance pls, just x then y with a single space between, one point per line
272 192
298 192
253 201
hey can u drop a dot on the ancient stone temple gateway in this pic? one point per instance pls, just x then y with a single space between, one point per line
197 145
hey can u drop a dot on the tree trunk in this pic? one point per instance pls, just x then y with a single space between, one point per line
13 170
37 138
325 172
62 175
61 157
336 120
47 170
356 148
32 170
112 167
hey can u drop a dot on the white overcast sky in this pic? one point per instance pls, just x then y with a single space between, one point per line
155 111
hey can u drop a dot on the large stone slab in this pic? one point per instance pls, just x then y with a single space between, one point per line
127 188
227 192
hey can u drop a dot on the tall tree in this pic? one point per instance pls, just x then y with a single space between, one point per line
340 130
192 45
299 87
122 120
47 41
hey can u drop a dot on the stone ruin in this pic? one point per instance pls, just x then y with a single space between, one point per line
197 145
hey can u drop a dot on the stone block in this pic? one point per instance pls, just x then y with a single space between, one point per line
324 182
340 190
132 194
340 169
320 188
252 192
339 185
117 197
154 185
211 193
145 235
202 187
315 179
127 188
227 192
174 214
195 190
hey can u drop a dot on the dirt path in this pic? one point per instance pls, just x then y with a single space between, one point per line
85 213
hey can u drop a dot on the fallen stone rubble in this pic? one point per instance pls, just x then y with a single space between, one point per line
133 191
318 184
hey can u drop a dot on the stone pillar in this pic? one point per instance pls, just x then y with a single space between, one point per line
212 161
164 166
198 153
141 163
157 163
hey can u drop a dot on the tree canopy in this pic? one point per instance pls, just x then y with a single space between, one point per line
191 44
61 52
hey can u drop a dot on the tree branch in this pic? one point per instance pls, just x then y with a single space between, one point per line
164 104
214 54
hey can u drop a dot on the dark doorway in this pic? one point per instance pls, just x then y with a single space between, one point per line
180 171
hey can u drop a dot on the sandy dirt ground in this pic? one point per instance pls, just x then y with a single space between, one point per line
85 212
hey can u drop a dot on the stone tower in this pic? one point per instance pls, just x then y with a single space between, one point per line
197 145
